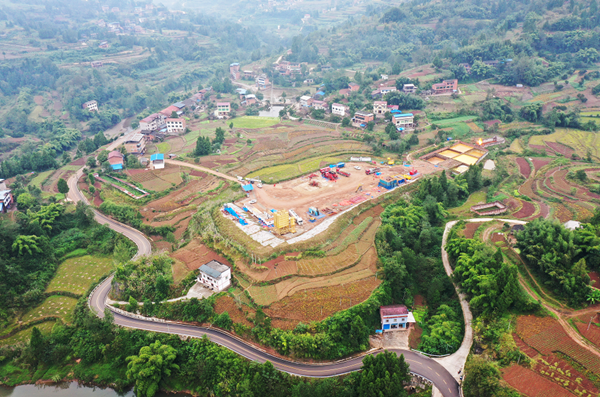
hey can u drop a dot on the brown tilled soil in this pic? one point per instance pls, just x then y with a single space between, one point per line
319 303
524 167
79 161
470 229
196 254
526 211
560 148
595 276
539 163
227 304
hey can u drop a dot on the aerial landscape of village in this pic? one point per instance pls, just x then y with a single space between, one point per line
300 198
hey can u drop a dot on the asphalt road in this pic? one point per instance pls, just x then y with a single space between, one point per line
419 364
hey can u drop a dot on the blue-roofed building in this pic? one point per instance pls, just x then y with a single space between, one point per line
248 187
158 161
215 276
404 120
115 159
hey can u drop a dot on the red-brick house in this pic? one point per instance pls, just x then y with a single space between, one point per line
446 86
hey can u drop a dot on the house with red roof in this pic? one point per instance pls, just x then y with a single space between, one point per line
169 111
395 317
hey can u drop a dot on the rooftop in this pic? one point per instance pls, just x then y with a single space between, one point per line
222 103
179 105
403 115
135 138
393 310
157 156
214 269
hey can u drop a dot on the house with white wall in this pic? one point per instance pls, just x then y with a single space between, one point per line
215 275
395 317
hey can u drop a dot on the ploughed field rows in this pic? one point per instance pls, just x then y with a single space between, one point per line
524 167
532 384
364 269
546 335
319 303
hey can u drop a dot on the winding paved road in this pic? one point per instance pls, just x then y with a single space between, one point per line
419 364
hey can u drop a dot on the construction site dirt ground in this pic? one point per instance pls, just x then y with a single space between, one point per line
339 195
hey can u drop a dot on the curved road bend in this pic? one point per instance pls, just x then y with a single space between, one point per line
419 364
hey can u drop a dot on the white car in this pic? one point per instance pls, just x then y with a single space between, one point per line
259 185
356 167
252 201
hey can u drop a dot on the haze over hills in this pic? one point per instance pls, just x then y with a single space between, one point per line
190 189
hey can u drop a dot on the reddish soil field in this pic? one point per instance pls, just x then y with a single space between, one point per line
560 148
79 161
547 336
133 172
38 99
540 149
524 347
539 163
198 173
524 167
531 384
526 211
196 254
498 238
470 229
595 277
419 300
227 304
593 333
414 338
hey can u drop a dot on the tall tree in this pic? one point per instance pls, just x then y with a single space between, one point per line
153 364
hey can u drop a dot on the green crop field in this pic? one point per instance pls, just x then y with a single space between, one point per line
282 172
449 122
39 178
254 122
163 147
59 306
25 335
77 274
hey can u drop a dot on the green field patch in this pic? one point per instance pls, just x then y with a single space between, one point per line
25 335
352 237
465 209
593 119
163 147
282 172
455 120
254 122
192 137
77 274
41 177
57 306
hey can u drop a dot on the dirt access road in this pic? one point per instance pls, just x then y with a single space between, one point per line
203 169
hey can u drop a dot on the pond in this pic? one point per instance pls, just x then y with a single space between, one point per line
68 389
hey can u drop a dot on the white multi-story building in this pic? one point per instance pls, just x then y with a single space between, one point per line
306 100
215 275
90 105
404 120
379 107
153 122
339 109
176 125
395 317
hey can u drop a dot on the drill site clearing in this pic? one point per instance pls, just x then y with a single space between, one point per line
303 207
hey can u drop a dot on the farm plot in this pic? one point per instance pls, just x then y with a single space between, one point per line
524 167
252 122
53 306
227 304
531 384
581 141
527 210
25 335
77 274
547 336
196 254
319 303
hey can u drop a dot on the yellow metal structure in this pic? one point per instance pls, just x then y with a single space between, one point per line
284 223
408 177
358 189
